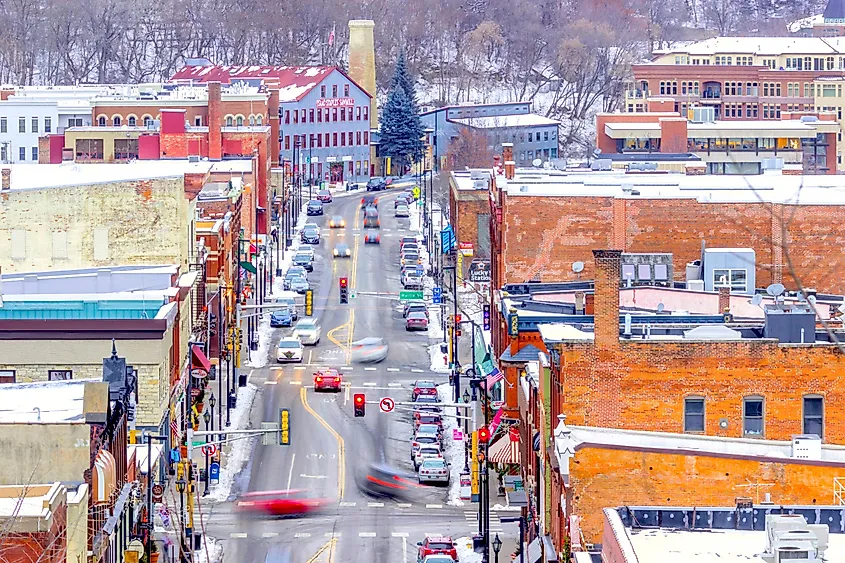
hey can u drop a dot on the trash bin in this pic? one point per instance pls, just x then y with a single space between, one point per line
478 543
233 398
242 379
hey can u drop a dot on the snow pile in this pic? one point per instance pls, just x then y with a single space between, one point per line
235 461
453 449
502 508
415 218
258 358
211 552
435 323
438 359
465 552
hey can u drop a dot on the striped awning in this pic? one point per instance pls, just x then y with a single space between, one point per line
504 450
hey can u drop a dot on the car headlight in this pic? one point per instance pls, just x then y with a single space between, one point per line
335 252
348 252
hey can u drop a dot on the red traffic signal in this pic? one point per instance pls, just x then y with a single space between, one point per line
360 403
344 282
457 319
483 435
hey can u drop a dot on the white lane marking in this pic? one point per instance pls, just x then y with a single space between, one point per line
394 385
366 534
348 503
403 504
370 369
299 367
269 534
269 382
346 368
399 534
302 535
375 504
304 476
369 384
393 369
295 382
434 506
290 473
238 535
332 535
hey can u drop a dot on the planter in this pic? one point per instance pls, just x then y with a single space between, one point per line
154 557
200 407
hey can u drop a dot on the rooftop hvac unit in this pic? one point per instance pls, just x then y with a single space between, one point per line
809 118
790 324
806 446
703 114
601 164
477 175
694 271
479 184
695 285
789 537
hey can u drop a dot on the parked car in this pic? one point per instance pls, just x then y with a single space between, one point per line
402 198
376 184
372 237
427 403
436 545
416 321
409 257
428 418
324 196
297 270
281 318
409 247
300 285
337 222
314 207
290 301
289 277
416 306
434 471
328 379
427 451
310 234
410 280
424 387
308 331
402 211
342 250
407 240
304 260
369 350
289 350
429 430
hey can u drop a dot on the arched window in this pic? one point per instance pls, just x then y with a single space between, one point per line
147 120
131 121
259 120
116 121
251 120
229 121
101 121
240 121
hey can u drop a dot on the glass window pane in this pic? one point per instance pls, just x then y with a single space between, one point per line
644 271
661 272
627 271
812 406
754 408
813 426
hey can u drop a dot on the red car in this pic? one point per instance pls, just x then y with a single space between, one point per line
325 196
436 545
423 387
427 418
416 321
328 380
281 503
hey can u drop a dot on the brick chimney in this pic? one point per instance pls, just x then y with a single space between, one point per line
273 114
606 306
215 122
724 300
507 156
6 179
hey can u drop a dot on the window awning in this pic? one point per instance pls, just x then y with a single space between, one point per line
535 554
504 450
199 360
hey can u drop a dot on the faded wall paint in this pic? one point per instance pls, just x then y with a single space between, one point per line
44 453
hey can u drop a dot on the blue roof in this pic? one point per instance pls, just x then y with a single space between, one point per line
529 353
79 309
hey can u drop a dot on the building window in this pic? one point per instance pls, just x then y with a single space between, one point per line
147 120
736 279
230 121
530 137
358 113
334 139
694 414
334 91
4 126
752 416
295 116
239 122
116 121
7 376
21 125
89 149
197 121
126 149
326 115
349 114
287 117
814 415
59 375
366 137
35 125
287 142
326 139
357 137
342 114
319 116
35 154
319 141
342 139
367 112
251 120
311 116
334 114
346 90
323 91
304 116
22 154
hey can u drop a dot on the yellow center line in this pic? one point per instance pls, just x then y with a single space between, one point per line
341 447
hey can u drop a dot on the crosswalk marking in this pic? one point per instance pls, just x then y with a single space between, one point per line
238 535
393 369
370 369
369 384
403 504
375 504
299 367
346 503
416 370
332 534
269 534
434 506
366 534
302 535
271 382
394 385
399 535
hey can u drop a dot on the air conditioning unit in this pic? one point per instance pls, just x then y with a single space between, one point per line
193 158
806 446
789 537
695 285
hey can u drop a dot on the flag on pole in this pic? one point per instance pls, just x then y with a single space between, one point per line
331 36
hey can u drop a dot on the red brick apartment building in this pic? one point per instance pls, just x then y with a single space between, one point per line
747 78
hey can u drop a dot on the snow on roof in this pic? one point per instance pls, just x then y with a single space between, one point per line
40 176
712 546
558 332
761 46
501 122
43 403
805 23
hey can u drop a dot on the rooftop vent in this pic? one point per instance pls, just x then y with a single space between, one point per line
790 324
601 164
789 537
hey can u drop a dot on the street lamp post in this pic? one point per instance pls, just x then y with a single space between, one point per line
521 521
466 433
497 547
207 416
180 486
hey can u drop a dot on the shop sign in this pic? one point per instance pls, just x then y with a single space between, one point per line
335 102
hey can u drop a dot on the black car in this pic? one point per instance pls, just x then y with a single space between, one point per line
310 234
304 260
315 207
376 184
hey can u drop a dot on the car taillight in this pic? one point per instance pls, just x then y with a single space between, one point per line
337 380
319 380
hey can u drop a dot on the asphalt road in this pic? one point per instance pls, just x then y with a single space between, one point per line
328 445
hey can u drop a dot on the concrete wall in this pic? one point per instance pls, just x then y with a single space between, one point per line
44 453
135 222
77 524
31 362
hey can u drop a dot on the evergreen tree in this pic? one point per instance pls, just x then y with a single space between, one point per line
402 79
400 130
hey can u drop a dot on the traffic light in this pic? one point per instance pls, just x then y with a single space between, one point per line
486 314
457 325
360 403
483 435
344 290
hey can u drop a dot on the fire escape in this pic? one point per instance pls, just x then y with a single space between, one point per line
199 311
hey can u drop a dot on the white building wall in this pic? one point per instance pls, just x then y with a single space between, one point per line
21 123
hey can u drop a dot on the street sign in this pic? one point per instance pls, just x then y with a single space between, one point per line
209 450
410 295
457 434
214 472
447 239
436 295
419 270
157 492
386 404
479 271
416 192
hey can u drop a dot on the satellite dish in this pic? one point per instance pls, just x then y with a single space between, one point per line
757 299
537 162
775 289
661 307
578 267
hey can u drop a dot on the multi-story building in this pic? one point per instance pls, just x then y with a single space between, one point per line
324 115
747 78
830 23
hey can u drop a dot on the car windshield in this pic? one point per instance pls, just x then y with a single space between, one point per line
342 248
282 313
371 341
293 274
402 206
424 384
430 451
310 228
337 218
315 203
426 439
416 315
439 545
303 257
424 399
433 420
428 429
324 192
289 344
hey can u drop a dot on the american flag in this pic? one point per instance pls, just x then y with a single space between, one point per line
174 428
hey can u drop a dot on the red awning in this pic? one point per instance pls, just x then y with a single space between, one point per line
198 359
504 450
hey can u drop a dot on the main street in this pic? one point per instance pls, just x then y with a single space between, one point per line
328 445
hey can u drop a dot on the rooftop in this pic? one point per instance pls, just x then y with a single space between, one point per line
152 94
53 402
111 279
41 176
502 122
35 503
719 129
764 46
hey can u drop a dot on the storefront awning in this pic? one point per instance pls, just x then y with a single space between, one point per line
199 360
504 450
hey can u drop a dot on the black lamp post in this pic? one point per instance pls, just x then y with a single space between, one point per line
180 486
497 546
207 416
466 431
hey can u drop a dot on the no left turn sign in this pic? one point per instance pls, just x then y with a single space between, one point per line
386 404
209 450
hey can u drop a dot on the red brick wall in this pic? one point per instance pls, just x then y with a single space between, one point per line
673 135
215 121
543 236
608 145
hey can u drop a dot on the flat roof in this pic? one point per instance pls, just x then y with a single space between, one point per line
756 128
501 122
41 176
659 545
51 402
760 46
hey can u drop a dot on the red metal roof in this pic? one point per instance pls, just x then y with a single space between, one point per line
294 81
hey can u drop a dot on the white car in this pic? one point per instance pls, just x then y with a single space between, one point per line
434 470
289 350
427 451
307 331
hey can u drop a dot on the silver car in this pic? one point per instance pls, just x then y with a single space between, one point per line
299 285
369 350
402 211
434 470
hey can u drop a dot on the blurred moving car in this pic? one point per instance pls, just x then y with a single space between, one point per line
381 480
314 207
342 250
436 545
324 196
328 379
289 350
424 387
369 200
282 317
369 350
372 237
416 321
402 211
434 471
310 234
307 331
337 222
371 220
281 503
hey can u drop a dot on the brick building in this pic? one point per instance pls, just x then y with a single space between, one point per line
746 78
38 529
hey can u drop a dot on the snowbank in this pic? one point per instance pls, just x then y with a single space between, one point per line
438 359
258 358
502 508
465 552
453 450
211 552
234 462
435 323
